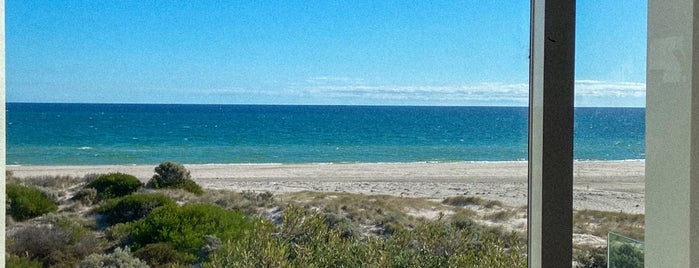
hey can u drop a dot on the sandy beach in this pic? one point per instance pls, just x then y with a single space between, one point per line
599 185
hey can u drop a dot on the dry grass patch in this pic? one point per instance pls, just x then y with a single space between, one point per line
366 209
501 215
599 223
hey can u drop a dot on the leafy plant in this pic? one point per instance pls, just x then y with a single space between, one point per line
460 201
625 255
131 207
162 254
15 261
185 227
27 202
304 239
174 175
115 185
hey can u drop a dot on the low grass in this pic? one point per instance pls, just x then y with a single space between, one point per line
599 223
501 216
368 210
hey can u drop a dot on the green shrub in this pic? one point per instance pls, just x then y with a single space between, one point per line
169 174
115 185
190 186
304 239
131 207
27 202
185 227
15 261
460 201
117 259
162 254
625 255
174 175
589 256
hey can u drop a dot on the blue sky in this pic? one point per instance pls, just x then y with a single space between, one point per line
309 52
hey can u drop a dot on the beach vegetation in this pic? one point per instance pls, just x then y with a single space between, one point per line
599 223
174 175
27 202
59 241
462 201
162 255
21 261
501 216
131 207
586 256
86 196
306 240
368 210
117 259
184 228
625 255
115 185
172 227
57 182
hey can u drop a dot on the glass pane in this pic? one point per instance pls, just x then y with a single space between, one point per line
384 116
609 124
624 251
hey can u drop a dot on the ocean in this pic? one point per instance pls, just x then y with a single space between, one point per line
95 134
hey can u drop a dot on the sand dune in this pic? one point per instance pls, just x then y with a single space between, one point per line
599 185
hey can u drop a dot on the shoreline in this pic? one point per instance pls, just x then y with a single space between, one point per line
598 185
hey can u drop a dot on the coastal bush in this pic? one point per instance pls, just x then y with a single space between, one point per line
304 239
62 243
120 258
162 255
461 201
115 185
589 257
27 202
174 175
86 196
131 207
185 228
625 255
15 261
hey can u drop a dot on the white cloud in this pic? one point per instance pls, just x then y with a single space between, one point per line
338 90
588 93
606 89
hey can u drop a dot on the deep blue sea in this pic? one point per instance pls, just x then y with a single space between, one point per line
87 134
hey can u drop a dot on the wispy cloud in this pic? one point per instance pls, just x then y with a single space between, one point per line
486 92
341 90
587 93
606 89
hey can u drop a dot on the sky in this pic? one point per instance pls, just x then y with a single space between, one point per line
309 52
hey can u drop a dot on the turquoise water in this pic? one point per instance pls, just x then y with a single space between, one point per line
86 134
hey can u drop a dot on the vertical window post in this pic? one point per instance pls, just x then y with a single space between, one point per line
672 134
550 217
